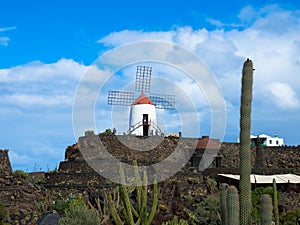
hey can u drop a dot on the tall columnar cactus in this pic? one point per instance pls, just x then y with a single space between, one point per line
265 213
232 206
223 204
245 154
138 214
275 199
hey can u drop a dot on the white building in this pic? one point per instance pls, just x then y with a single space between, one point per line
267 140
142 120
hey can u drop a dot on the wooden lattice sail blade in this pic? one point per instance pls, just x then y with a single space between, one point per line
163 101
120 98
143 78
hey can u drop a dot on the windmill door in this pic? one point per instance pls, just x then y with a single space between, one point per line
145 125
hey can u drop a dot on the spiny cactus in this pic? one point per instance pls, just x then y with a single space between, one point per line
232 206
245 154
265 213
275 199
138 214
223 204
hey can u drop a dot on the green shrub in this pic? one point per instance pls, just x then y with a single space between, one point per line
290 217
176 221
206 212
107 132
3 214
62 205
255 195
80 215
21 174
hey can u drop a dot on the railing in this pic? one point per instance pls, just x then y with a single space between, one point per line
150 124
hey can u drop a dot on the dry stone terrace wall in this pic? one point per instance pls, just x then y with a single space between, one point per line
282 157
76 176
5 166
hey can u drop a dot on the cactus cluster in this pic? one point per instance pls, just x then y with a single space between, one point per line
229 207
131 213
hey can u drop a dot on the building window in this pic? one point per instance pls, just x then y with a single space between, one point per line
277 143
270 141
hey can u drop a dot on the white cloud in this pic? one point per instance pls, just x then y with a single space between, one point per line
37 85
36 110
270 36
37 71
20 159
2 29
4 39
282 95
247 15
128 36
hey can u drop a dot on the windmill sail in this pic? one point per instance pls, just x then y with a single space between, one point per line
143 78
120 98
162 101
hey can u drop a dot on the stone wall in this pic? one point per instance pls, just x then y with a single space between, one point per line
75 175
5 166
282 157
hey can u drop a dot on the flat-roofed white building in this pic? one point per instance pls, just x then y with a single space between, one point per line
266 140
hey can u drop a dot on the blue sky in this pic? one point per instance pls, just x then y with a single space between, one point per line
47 46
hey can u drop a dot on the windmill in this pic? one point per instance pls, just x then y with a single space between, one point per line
142 118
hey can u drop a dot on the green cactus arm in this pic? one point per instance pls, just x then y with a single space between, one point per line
138 222
245 154
135 213
138 186
113 211
232 206
143 213
145 189
265 213
223 204
275 199
155 201
125 215
124 197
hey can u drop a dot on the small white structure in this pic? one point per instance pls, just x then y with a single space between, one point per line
266 140
142 119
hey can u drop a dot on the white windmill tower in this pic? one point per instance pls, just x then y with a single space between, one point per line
142 118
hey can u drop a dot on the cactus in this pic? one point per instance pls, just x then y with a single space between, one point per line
223 204
130 213
265 213
275 199
232 206
245 155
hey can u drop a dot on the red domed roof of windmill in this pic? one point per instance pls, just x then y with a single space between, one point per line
143 99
